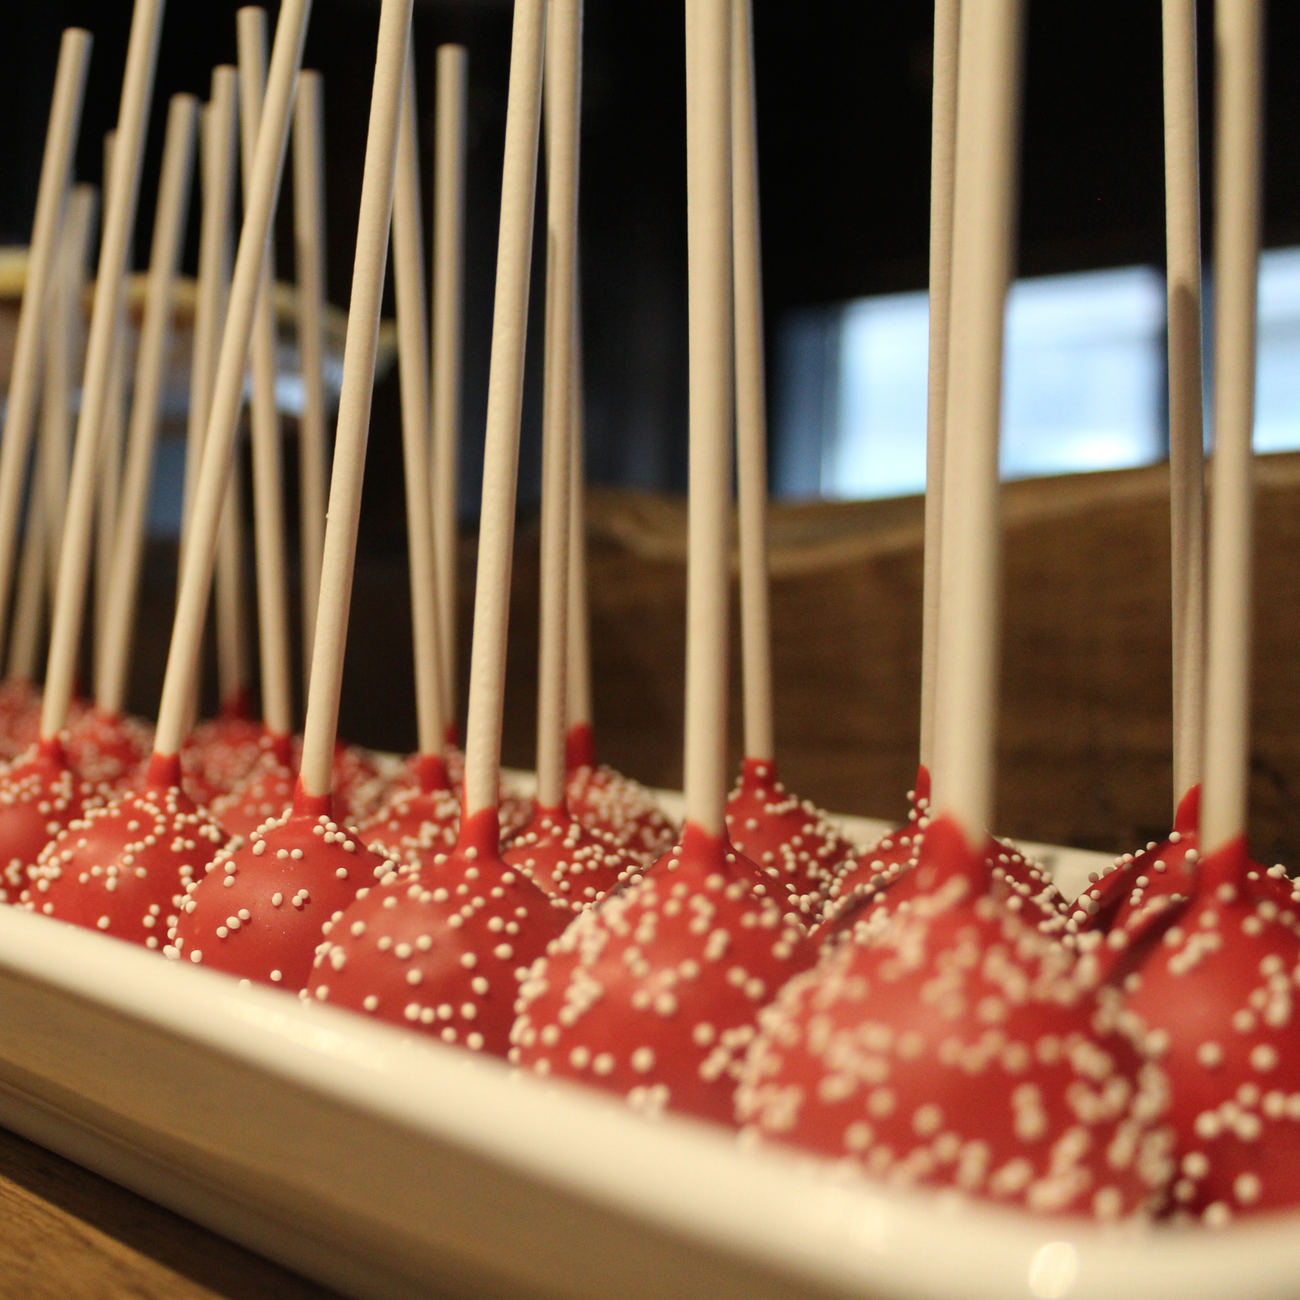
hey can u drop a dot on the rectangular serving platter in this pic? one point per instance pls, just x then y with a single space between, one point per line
384 1164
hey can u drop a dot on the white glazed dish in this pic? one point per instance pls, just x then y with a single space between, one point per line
386 1165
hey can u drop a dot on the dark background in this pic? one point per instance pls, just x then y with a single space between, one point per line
844 94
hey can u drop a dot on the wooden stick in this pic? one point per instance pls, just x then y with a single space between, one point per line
448 336
751 414
413 359
943 153
264 419
146 406
321 729
121 194
227 387
505 399
983 223
231 599
563 96
24 377
578 633
709 259
309 245
1237 184
1186 416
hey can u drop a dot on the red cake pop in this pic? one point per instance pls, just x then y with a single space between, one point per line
265 792
108 749
220 753
955 1047
419 820
123 868
569 862
614 805
20 716
785 836
39 795
258 911
441 949
1215 984
654 994
359 787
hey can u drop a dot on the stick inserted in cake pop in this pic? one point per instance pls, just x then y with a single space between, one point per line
301 869
447 340
784 835
309 246
983 225
25 369
264 419
146 407
121 194
943 161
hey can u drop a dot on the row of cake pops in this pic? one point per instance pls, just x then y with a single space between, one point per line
955 1025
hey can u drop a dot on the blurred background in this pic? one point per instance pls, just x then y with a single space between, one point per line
843 108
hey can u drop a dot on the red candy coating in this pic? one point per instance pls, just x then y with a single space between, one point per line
39 795
789 838
569 862
1216 987
621 809
441 949
420 817
654 994
219 754
122 868
20 716
258 911
957 1047
264 793
108 749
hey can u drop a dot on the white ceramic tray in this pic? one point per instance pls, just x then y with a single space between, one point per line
387 1165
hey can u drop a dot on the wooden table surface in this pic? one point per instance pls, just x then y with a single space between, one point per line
67 1234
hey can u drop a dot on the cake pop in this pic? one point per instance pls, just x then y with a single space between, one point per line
955 1047
654 995
258 911
39 795
785 835
417 821
122 868
443 948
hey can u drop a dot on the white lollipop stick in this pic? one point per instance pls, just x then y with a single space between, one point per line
751 416
413 359
60 359
1237 167
121 193
109 478
505 399
146 406
24 376
268 476
230 600
217 153
359 348
983 222
943 153
309 245
24 642
578 634
708 226
448 335
227 387
563 87
1186 417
